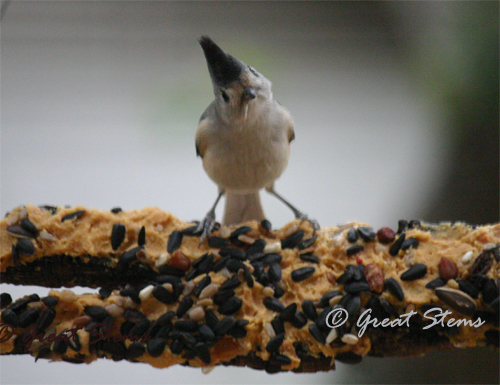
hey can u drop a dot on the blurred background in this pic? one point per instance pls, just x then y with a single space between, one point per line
396 117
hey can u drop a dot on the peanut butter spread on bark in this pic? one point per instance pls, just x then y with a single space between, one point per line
88 234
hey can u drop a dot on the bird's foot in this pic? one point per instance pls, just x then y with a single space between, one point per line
206 226
304 218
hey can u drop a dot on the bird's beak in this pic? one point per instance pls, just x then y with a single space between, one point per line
248 93
224 69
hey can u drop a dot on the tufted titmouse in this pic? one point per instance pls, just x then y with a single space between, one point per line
243 138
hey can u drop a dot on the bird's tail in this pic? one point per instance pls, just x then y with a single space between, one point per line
242 207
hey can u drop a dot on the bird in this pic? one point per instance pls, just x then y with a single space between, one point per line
243 138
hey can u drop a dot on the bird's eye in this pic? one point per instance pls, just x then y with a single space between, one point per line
224 96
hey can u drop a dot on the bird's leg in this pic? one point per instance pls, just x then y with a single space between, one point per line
207 224
298 214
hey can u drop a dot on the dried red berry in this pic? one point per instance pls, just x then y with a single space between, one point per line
374 277
386 235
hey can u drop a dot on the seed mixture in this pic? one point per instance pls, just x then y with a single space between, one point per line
249 295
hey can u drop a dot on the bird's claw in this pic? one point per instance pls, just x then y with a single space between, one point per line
314 223
206 226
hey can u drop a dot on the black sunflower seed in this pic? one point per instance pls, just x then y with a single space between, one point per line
19 305
98 313
309 310
163 295
278 325
479 281
156 346
237 331
76 214
289 312
274 304
317 334
223 326
74 342
325 299
278 291
351 303
307 243
457 300
302 273
116 210
29 227
275 343
188 325
205 265
231 306
211 319
230 283
104 292
141 238
367 233
233 253
140 328
205 281
185 304
248 276
177 346
233 265
489 291
280 359
402 226
129 256
396 246
438 282
117 235
275 272
413 224
348 358
206 333
388 308
495 305
292 240
202 351
5 299
352 235
46 318
174 241
135 350
34 297
468 288
131 292
240 231
222 296
410 242
266 225
220 264
217 242
10 317
271 258
310 258
256 248
116 349
395 288
415 272
51 209
133 316
190 231
352 250
60 345
25 247
299 320
348 275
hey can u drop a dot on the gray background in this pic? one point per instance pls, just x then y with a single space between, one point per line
396 116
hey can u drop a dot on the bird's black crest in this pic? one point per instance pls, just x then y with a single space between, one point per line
224 68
